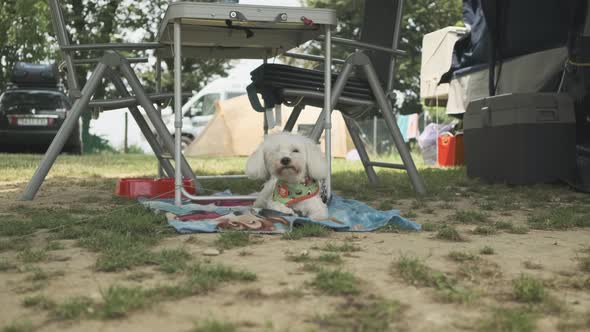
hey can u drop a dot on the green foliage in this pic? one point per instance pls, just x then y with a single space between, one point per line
27 34
420 17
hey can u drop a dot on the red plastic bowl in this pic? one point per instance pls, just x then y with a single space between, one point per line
151 188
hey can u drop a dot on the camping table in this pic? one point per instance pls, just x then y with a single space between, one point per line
213 30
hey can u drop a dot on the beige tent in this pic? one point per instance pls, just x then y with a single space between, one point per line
236 130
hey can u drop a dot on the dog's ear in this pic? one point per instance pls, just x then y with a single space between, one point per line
317 167
255 166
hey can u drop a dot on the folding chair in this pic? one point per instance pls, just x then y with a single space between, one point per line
114 67
355 96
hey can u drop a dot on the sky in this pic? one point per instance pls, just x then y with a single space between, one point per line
110 125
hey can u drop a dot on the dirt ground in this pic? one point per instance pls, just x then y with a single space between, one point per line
265 304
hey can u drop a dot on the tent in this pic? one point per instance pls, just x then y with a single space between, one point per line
236 130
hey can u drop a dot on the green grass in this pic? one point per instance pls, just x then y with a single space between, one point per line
429 227
39 302
561 218
307 230
54 245
459 256
532 265
415 272
336 282
449 233
528 289
359 315
485 230
73 308
518 229
487 250
344 247
211 325
119 301
173 260
32 255
6 265
509 320
584 263
19 326
470 217
232 239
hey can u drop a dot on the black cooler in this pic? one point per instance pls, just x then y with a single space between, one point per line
521 138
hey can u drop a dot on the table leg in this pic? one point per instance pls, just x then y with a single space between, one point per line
328 105
177 113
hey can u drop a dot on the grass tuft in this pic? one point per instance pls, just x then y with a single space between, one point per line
345 247
232 239
558 219
32 256
527 289
336 282
485 230
19 326
460 257
73 308
307 230
210 325
470 217
509 320
358 315
449 233
487 250
39 302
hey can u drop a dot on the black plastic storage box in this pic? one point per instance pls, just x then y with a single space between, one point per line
521 138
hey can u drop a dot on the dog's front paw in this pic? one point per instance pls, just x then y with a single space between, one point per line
280 207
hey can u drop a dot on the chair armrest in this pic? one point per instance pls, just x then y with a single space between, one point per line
367 46
312 57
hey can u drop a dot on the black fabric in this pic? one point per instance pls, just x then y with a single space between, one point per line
270 79
378 29
503 29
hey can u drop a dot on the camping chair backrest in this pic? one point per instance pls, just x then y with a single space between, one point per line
381 24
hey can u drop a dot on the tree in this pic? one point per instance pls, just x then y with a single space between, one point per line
25 32
24 35
420 17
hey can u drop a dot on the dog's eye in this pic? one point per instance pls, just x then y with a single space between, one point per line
295 150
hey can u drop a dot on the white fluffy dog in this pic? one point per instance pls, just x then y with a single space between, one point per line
293 166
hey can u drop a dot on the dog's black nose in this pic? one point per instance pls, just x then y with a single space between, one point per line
285 161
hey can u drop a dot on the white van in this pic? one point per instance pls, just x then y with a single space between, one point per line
199 109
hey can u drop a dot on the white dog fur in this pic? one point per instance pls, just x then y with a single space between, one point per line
305 159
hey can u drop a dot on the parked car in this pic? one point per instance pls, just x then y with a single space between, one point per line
33 109
200 108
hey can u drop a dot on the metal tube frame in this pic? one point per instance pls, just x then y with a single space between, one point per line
158 107
150 110
142 124
367 46
389 117
328 107
64 132
177 112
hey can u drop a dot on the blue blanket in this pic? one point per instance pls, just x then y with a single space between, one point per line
344 215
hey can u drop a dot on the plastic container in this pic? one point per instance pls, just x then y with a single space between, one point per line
151 188
521 138
451 150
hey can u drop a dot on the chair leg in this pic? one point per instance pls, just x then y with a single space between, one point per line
401 146
360 148
165 164
293 118
64 132
156 121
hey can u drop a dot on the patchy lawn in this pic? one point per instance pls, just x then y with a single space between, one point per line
490 258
